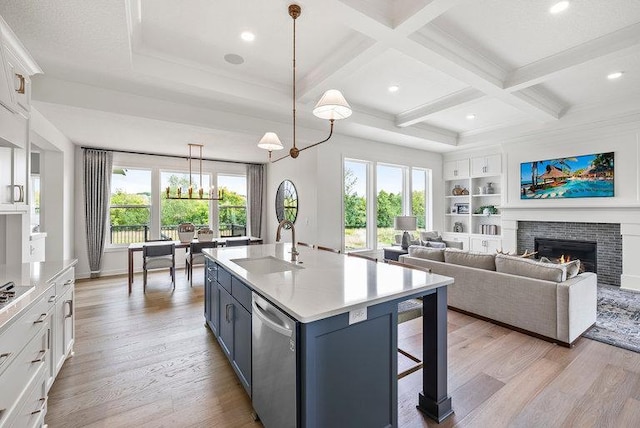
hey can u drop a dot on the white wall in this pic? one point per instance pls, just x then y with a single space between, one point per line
57 187
114 260
317 175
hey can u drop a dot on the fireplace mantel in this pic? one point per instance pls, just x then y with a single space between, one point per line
627 215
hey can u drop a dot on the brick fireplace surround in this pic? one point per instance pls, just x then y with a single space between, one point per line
607 235
616 228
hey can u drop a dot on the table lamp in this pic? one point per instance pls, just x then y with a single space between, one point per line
405 223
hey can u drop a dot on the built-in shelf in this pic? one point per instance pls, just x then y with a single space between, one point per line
457 196
480 235
487 215
486 194
457 215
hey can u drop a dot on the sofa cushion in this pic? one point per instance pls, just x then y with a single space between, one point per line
436 254
531 268
469 259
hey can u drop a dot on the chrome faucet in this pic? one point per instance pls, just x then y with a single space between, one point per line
294 251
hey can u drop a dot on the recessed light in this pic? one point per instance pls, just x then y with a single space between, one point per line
247 36
394 88
471 116
616 75
559 7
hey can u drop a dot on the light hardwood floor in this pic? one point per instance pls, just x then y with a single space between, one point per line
146 360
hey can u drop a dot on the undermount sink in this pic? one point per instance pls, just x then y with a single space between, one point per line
264 265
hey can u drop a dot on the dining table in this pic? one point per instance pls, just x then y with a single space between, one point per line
139 246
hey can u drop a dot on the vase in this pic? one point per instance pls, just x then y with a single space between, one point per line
489 190
457 190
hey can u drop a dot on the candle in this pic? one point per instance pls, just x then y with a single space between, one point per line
190 190
200 192
179 191
168 190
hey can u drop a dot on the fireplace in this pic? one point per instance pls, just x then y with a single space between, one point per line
553 249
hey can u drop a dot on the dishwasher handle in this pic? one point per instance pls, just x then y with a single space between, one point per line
267 318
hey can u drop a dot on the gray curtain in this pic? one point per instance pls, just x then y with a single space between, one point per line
255 183
98 165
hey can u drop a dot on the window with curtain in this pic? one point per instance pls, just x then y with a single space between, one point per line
174 211
232 210
130 205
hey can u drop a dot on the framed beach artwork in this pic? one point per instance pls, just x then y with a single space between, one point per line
587 176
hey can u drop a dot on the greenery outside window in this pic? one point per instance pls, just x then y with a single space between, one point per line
232 210
174 211
130 206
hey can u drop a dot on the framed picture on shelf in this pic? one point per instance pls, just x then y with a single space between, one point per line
462 208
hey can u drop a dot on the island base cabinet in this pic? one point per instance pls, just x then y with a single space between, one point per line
211 297
349 372
234 335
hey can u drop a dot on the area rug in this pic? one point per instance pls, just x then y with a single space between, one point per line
618 319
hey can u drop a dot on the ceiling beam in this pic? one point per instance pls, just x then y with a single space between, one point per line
419 114
619 42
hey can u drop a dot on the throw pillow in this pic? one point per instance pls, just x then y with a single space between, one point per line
572 267
530 268
434 244
474 260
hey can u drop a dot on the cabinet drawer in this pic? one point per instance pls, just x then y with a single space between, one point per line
32 361
32 408
64 281
212 270
241 293
224 279
22 330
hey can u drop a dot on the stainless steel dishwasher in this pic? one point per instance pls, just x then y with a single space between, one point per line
273 381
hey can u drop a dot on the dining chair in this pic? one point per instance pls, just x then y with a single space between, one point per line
333 250
159 257
195 257
237 242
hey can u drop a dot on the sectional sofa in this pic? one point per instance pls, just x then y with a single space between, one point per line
551 301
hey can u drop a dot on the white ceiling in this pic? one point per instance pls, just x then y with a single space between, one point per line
151 73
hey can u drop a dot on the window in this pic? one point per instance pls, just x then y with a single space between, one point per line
130 205
174 211
398 190
355 205
232 210
388 202
419 196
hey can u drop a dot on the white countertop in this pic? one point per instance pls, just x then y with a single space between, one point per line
329 283
38 275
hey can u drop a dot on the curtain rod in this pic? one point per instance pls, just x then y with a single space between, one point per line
167 156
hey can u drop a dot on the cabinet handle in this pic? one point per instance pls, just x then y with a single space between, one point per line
52 299
70 302
228 307
48 338
42 406
20 189
41 354
4 357
68 282
455 172
40 320
21 87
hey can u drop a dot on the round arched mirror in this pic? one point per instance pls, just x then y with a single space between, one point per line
287 202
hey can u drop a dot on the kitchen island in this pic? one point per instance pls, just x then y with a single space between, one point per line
343 339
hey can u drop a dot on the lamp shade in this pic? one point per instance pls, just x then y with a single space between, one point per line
332 105
270 141
405 222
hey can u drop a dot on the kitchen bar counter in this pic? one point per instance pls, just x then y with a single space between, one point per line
325 284
38 275
345 338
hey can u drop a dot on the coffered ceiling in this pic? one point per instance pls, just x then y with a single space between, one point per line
467 71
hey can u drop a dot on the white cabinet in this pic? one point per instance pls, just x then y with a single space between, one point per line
37 247
64 329
13 177
485 245
20 83
456 169
483 166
